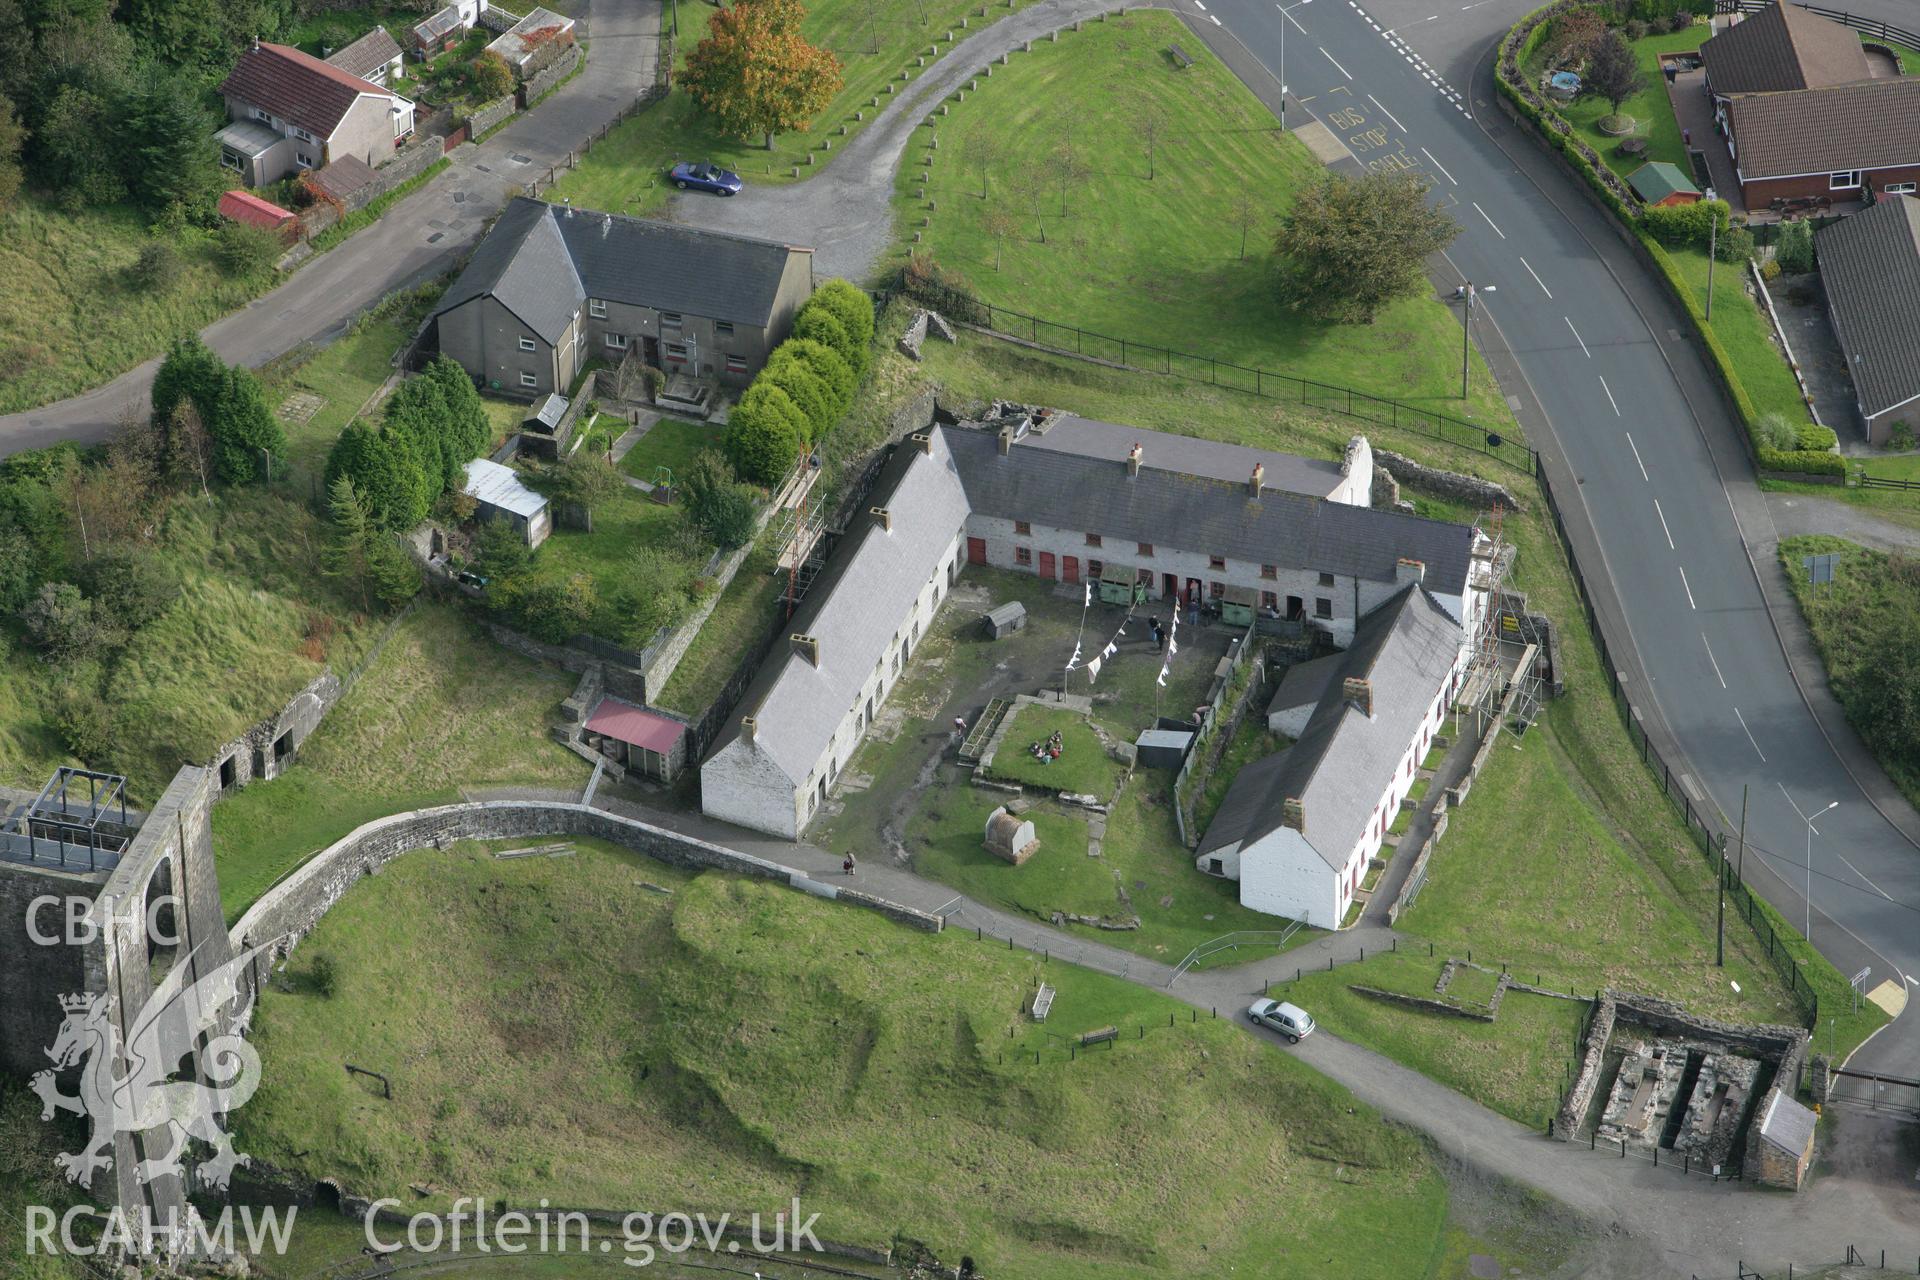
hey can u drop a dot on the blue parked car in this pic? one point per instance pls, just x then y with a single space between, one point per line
705 177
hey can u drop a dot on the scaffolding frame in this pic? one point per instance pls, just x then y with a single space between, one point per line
57 827
1491 690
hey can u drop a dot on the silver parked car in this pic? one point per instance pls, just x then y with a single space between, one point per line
1290 1020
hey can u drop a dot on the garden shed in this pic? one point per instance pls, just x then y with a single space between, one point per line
641 740
503 495
1662 184
1119 584
1006 620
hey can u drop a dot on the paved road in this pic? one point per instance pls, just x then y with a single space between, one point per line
417 239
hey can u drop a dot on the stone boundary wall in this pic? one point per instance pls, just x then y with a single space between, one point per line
622 682
1450 485
664 655
407 164
289 910
541 82
1424 1003
1573 1107
488 114
1416 874
252 753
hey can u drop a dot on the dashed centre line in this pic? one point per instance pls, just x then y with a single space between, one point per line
1750 738
1490 222
1536 277
1663 528
1336 64
1389 115
1576 333
1684 587
1716 666
1636 458
1435 163
1610 400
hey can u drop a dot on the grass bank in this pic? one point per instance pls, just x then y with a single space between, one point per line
899 1099
1149 252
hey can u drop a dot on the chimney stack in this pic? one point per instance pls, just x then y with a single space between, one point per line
1133 459
807 647
1358 691
1293 814
924 439
1257 481
1406 570
884 516
1006 441
749 727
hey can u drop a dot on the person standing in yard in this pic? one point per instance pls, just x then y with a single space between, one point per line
847 865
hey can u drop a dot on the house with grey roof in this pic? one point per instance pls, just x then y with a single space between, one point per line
373 57
1191 520
1298 828
550 287
1870 269
957 495
851 638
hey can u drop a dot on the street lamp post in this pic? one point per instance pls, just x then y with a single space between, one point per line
1466 293
1811 833
1286 20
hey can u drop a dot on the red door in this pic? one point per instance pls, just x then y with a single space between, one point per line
1046 565
976 550
1070 569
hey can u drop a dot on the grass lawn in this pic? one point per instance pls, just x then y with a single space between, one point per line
344 374
622 524
898 1098
69 317
669 443
1651 110
1569 804
1871 593
1741 323
1516 1064
1251 742
1084 767
1158 261
741 616
1058 877
442 707
626 171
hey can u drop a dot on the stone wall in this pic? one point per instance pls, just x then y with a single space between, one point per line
1449 485
1416 874
663 657
1586 1081
288 911
1426 1004
620 681
487 115
254 756
562 67
33 976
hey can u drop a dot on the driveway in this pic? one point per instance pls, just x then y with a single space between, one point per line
420 237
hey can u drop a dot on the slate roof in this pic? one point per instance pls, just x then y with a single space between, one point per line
1306 682
1786 1124
1656 180
437 25
1870 265
493 485
854 608
296 87
341 178
1072 491
1871 125
1343 761
370 53
1782 48
542 263
1090 438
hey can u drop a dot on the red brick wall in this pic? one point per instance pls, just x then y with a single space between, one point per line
1761 191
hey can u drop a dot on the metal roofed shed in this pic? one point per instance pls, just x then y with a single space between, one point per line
503 495
642 740
1006 620
547 413
1162 748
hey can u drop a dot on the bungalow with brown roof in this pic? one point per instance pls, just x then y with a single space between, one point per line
1808 111
291 111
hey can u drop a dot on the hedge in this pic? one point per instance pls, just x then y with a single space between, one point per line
1519 44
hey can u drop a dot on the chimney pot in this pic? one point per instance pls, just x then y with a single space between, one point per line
1006 441
884 516
1258 480
1293 814
1358 691
1410 570
1133 459
925 440
750 727
807 647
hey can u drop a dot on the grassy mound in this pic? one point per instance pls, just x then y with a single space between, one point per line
562 1031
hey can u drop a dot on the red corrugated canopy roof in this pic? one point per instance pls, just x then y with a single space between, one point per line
635 726
243 207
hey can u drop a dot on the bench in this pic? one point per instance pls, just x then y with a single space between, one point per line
1180 57
1042 1002
1101 1036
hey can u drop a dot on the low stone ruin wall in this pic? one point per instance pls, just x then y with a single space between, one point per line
1453 486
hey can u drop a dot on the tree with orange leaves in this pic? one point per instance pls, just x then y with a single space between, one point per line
755 73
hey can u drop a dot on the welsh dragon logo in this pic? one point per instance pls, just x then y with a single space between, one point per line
131 1088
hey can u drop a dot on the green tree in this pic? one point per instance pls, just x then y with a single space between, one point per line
190 372
156 267
819 324
131 585
805 388
853 308
1350 246
85 723
1794 252
19 574
167 157
829 364
71 157
344 554
418 409
391 572
584 479
715 501
1612 72
472 430
550 607
242 250
490 76
763 433
62 621
248 443
383 473
13 138
500 552
755 74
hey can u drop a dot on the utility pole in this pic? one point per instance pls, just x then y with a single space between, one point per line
1286 20
1468 292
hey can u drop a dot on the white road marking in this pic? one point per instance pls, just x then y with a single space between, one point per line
1389 115
1201 7
1535 274
1716 666
1336 64
1483 213
1684 587
1216 20
1743 725
1290 18
1663 528
1436 164
1610 400
1636 457
1576 333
